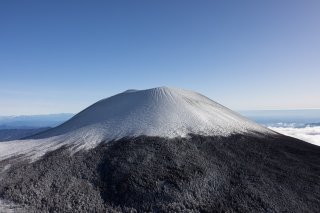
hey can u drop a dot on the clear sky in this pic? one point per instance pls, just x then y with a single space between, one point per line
61 56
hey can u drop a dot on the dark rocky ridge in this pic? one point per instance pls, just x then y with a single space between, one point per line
240 173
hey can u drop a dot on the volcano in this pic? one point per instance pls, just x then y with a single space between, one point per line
160 150
164 112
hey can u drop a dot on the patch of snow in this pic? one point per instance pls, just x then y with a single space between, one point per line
6 167
9 207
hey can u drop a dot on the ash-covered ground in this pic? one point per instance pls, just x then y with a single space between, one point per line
240 173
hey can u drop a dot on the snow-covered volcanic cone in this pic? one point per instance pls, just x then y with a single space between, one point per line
159 150
163 111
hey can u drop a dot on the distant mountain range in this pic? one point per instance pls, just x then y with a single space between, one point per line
15 134
284 118
33 121
17 127
313 124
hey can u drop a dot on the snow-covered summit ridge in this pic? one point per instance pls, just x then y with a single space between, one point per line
162 111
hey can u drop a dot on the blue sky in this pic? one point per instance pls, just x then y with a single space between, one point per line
61 56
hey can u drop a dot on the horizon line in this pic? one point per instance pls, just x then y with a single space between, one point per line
237 110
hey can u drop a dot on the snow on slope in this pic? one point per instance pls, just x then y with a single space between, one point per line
160 111
164 112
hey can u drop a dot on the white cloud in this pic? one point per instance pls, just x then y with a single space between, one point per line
308 134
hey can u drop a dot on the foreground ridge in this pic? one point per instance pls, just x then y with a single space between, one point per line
236 173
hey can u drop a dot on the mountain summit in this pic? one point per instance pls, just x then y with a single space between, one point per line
162 111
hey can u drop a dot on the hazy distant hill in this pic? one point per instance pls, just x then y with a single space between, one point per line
17 127
284 118
313 124
15 134
33 121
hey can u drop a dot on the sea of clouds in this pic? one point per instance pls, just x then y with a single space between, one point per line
309 134
303 124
